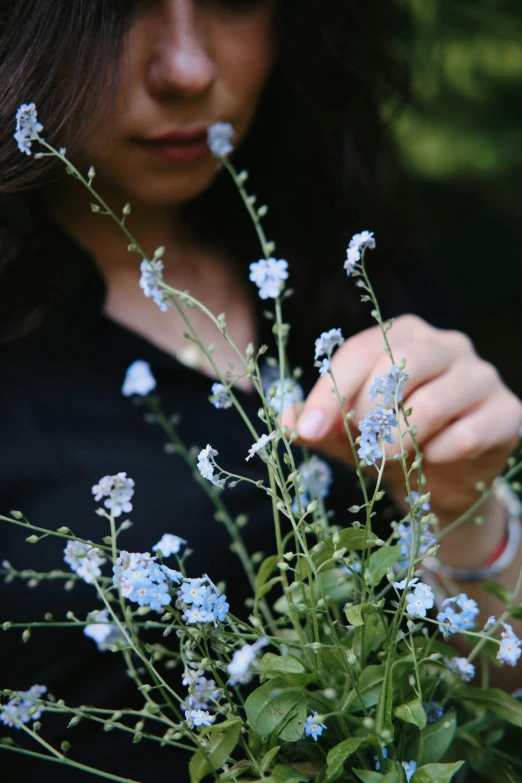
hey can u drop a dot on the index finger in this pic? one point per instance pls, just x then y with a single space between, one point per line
351 365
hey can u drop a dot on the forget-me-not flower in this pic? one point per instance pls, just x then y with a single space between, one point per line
358 243
27 127
169 544
389 386
260 444
313 726
462 667
510 646
84 560
239 667
206 465
219 139
23 707
220 397
118 490
138 379
269 275
103 631
151 273
420 600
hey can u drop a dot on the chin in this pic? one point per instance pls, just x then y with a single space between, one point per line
172 190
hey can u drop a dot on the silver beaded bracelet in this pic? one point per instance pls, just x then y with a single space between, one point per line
509 500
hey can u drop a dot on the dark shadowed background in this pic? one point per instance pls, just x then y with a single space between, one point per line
460 145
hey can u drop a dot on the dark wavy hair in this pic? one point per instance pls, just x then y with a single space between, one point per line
318 151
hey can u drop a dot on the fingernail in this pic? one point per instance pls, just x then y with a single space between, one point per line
311 424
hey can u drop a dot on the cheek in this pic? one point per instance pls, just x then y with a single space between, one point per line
245 53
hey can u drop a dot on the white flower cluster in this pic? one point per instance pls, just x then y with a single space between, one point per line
259 445
151 271
27 127
240 666
118 490
358 243
206 466
84 560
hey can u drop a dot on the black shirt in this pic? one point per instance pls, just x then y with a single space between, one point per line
64 425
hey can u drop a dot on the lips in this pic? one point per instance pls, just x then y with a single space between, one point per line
179 146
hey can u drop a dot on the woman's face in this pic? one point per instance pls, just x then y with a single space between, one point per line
186 64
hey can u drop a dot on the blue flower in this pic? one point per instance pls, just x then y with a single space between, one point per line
220 397
328 342
199 718
269 275
313 727
84 560
118 490
510 647
325 367
418 602
27 127
142 580
220 608
23 706
358 243
455 621
409 768
103 631
434 711
239 667
424 537
376 424
194 591
462 667
194 615
316 477
204 694
151 275
138 379
390 385
169 544
291 394
219 139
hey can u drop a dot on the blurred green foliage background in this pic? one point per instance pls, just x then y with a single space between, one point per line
460 141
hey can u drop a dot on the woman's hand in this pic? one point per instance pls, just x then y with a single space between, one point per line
468 421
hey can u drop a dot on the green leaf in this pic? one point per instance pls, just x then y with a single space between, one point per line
370 684
368 776
284 774
264 589
516 612
499 591
292 727
436 773
356 538
269 706
223 740
266 569
354 615
412 712
269 757
280 664
382 561
437 737
496 701
338 755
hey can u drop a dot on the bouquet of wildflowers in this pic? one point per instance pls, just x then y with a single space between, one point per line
341 672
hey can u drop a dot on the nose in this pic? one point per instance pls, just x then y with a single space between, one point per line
180 63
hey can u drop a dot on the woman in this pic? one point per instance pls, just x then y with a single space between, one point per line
131 89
